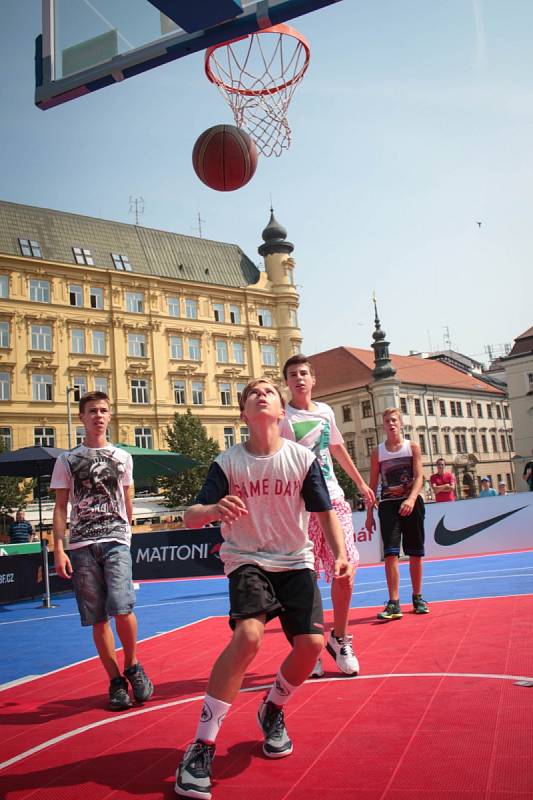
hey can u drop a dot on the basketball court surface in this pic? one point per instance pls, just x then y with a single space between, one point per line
437 711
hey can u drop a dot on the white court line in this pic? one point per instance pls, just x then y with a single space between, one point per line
120 718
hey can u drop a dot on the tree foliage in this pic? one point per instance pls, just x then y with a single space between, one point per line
188 436
347 485
13 492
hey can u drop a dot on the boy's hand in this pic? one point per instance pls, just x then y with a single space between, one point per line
63 565
406 507
230 508
343 569
368 495
370 523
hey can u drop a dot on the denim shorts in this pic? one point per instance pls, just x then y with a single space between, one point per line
102 581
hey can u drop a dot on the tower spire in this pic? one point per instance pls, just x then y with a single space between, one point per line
382 361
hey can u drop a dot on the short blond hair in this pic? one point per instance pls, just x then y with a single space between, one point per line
252 384
390 411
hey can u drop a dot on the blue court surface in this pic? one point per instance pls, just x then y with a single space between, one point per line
36 640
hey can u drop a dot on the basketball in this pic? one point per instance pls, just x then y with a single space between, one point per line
224 158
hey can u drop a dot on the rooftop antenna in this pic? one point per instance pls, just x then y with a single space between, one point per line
200 220
446 337
136 208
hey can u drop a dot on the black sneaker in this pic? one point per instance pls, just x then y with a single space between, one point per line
272 722
118 694
392 610
142 686
419 604
193 777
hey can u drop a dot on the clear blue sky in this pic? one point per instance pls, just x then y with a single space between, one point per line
413 123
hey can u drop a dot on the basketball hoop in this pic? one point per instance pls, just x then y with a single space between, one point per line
258 75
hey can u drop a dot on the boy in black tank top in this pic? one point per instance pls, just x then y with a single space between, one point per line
397 463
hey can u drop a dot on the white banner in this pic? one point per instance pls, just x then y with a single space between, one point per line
466 527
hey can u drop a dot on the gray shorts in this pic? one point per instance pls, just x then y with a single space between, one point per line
102 581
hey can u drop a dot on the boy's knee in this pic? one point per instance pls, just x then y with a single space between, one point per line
248 640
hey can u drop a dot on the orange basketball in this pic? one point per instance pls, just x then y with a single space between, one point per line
224 158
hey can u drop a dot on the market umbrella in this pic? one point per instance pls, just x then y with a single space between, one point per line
33 462
157 463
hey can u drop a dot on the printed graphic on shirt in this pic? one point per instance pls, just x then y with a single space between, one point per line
315 434
396 478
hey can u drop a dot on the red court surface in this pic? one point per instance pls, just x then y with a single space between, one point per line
435 714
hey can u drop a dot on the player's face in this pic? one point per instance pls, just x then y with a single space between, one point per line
96 416
392 424
300 380
263 400
440 466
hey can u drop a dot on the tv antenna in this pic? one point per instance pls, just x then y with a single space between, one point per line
136 208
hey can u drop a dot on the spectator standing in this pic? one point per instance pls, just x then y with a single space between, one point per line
20 531
443 483
486 488
502 488
528 474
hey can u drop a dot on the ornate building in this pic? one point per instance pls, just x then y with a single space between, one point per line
161 321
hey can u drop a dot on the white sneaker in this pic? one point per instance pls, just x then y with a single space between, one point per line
318 669
341 649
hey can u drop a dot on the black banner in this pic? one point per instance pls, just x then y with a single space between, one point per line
182 553
20 577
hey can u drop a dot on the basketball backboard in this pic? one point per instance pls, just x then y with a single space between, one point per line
86 45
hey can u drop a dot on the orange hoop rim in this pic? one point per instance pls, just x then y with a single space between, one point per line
284 30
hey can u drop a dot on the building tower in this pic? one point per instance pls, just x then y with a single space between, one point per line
386 387
279 267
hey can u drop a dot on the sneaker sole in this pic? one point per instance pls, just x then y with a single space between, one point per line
333 654
389 619
426 611
273 753
121 707
148 696
184 792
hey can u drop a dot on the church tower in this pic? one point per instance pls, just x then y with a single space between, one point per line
386 387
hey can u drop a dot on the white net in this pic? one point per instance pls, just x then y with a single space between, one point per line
257 76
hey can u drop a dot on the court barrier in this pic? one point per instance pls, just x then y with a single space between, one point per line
465 527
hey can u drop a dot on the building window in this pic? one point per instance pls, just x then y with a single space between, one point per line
370 444
176 347
484 445
447 444
264 317
40 291
506 408
494 442
235 315
101 385
4 334
139 390
75 293
244 433
469 410
41 337
4 287
96 297
456 408
6 438
479 410
431 408
366 409
5 384
460 442
268 355
350 447
508 480
41 387
173 306
489 410
221 347
135 302
30 247
225 394
434 443
293 318
498 412
197 393
78 340
79 434
82 255
510 441
143 438
442 406
137 345
44 437
418 407
473 442
238 352
407 436
403 405
240 390
194 349
422 443
121 262
218 311
503 442
346 413
179 393
229 438
191 308
79 384
99 343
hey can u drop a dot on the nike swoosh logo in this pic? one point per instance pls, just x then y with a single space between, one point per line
446 537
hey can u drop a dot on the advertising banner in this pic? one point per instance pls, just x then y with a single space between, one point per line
181 553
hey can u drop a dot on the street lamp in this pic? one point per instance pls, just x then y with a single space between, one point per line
69 416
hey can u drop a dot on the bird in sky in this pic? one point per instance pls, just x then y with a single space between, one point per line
478 224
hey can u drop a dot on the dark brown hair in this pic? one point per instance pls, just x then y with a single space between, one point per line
252 384
87 398
297 359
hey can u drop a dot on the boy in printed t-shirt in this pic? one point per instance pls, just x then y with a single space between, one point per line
96 478
262 491
312 424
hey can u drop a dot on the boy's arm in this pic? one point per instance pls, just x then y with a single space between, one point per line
340 454
409 502
61 560
213 501
128 502
331 527
374 477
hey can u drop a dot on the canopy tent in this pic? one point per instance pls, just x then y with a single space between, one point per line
157 463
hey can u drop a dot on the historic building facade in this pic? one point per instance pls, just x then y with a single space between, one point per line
161 321
448 412
518 366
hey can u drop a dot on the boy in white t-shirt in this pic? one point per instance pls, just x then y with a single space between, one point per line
312 424
96 478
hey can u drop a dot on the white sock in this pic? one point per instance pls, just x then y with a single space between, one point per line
211 718
281 690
